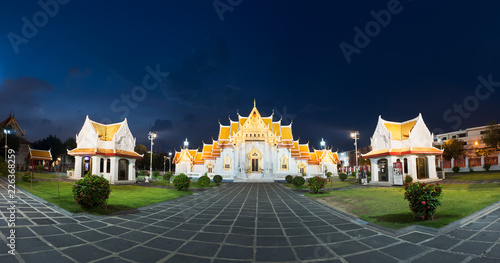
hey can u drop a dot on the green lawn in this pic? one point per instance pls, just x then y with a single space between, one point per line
122 197
387 207
474 176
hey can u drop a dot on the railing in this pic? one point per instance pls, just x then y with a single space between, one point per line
446 164
460 163
491 160
475 162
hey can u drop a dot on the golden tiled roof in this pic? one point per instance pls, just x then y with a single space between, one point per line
40 155
92 151
400 131
106 132
267 121
277 128
243 120
286 133
234 128
402 151
224 132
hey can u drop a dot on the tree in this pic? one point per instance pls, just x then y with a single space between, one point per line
453 148
70 144
141 149
491 137
51 143
13 143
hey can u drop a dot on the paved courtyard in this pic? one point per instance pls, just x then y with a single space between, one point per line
251 222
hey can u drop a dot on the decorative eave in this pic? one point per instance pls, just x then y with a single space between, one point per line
403 151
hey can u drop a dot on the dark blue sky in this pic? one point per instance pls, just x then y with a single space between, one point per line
91 58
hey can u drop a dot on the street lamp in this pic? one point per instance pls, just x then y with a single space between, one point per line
186 143
322 143
151 137
169 162
355 136
6 132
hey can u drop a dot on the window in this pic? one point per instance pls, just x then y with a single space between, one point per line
210 167
405 166
108 166
484 132
461 135
102 165
227 163
284 163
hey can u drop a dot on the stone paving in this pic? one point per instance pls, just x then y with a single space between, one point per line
251 222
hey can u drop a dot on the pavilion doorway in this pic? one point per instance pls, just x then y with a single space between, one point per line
422 168
123 169
383 171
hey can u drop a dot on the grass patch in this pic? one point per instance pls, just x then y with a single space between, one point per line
387 207
122 197
474 176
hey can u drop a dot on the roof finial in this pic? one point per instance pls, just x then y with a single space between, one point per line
254 103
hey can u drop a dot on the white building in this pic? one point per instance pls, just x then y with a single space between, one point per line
470 136
255 148
408 142
106 150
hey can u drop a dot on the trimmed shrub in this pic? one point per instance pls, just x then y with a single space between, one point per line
143 173
156 174
217 179
316 183
39 168
456 169
92 190
353 174
408 179
487 166
182 182
342 176
27 177
298 181
369 173
167 175
289 179
203 181
329 174
423 198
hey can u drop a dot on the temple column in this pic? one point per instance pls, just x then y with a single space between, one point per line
431 165
78 167
374 165
95 164
131 169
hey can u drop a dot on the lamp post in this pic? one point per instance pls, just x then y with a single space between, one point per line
322 144
355 136
186 143
151 137
6 132
169 162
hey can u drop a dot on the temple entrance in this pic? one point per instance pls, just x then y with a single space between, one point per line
255 161
86 166
383 171
422 168
123 169
255 165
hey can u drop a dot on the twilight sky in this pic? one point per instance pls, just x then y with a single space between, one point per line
177 67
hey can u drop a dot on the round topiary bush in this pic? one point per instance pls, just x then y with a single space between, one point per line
408 179
353 174
204 181
487 166
456 169
92 190
27 177
423 199
182 182
298 181
329 174
217 179
167 175
316 183
289 179
156 174
342 176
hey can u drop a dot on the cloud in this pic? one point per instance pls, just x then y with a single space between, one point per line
77 73
162 125
21 91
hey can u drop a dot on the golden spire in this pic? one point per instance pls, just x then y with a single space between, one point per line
254 103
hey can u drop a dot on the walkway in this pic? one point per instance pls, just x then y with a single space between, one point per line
235 223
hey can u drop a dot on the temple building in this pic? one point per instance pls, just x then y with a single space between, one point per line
39 157
408 143
12 125
106 150
255 148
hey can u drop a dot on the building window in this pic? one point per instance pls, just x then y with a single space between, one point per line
284 163
210 168
108 166
483 132
462 135
227 163
405 166
101 169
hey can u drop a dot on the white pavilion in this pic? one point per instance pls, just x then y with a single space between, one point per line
106 150
408 142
